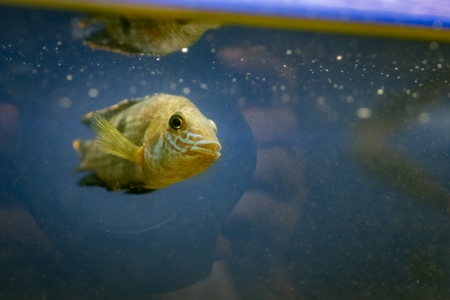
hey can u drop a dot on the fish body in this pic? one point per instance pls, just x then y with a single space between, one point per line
147 144
134 36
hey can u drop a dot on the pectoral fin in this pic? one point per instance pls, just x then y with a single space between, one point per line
91 180
138 188
112 141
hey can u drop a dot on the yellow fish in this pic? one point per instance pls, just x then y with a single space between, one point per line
147 144
133 35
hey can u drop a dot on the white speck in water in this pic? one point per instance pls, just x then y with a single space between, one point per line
69 77
93 93
288 52
65 102
434 45
380 91
186 91
339 57
204 86
180 80
321 100
242 101
184 50
423 118
364 112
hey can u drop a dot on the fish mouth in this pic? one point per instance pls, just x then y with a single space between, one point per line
208 147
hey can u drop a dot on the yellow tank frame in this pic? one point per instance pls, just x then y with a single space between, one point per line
399 31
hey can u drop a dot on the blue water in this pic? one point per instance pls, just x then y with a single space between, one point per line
310 222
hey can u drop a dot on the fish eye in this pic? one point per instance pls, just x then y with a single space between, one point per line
177 121
213 126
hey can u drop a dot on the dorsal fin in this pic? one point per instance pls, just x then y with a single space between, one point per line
110 111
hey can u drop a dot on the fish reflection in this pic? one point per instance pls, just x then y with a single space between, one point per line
147 144
134 36
373 150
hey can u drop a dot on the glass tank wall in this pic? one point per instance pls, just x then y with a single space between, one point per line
332 181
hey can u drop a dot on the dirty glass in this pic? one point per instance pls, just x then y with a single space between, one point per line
332 183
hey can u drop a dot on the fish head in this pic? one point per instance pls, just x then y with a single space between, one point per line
192 135
187 144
